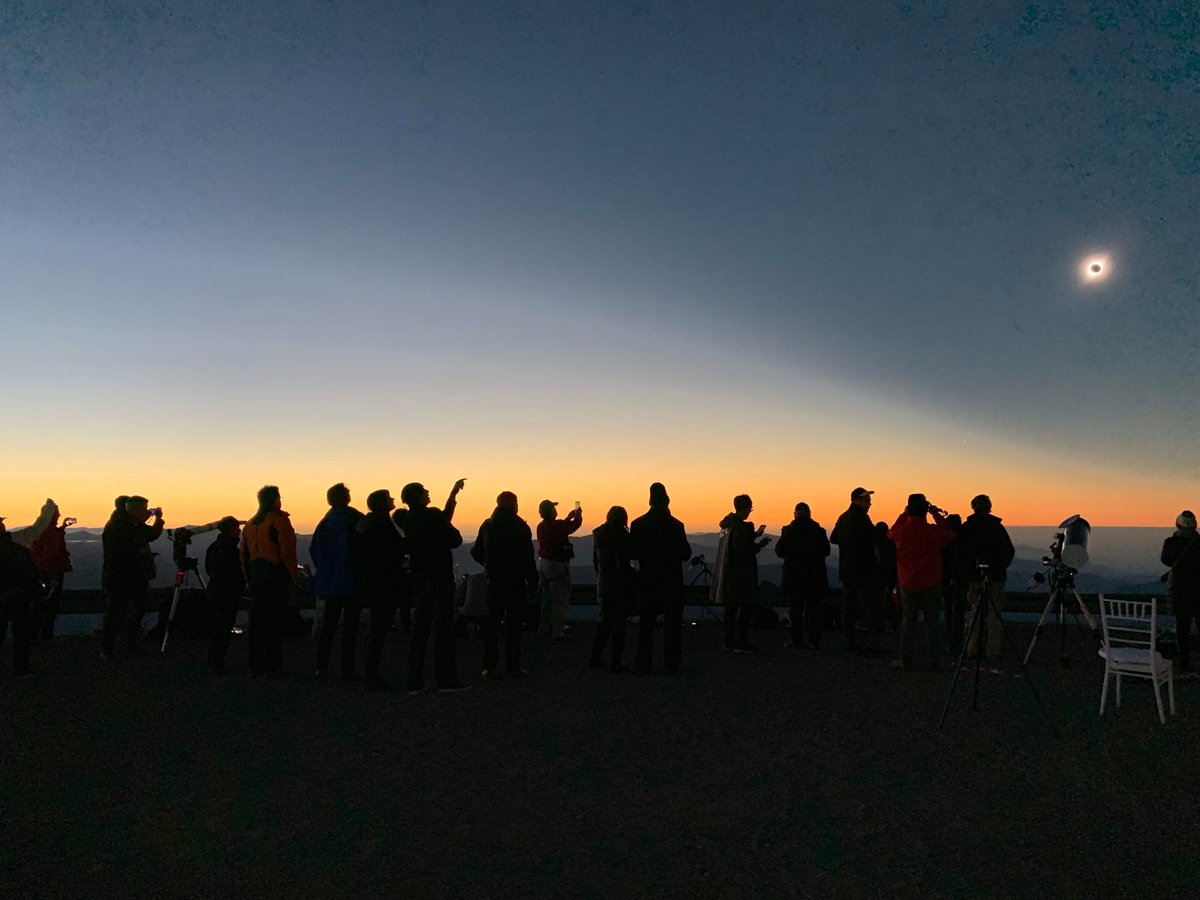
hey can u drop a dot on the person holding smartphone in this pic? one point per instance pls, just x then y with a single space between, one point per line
554 566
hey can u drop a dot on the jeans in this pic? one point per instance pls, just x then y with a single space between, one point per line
434 613
861 596
672 613
737 625
126 606
805 612
989 623
349 611
267 606
223 606
554 581
506 604
925 601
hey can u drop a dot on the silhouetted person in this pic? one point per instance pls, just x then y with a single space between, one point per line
885 567
53 561
226 586
1181 552
554 566
128 570
858 568
954 588
269 560
659 545
20 587
615 583
739 578
919 544
384 582
983 539
337 580
431 540
405 599
505 550
803 546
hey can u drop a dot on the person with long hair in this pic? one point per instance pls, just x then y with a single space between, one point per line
269 560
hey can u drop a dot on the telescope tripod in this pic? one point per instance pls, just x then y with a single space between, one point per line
978 627
705 578
187 565
1058 600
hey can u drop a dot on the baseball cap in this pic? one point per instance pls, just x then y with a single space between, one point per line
860 492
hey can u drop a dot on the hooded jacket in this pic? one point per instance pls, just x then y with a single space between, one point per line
269 547
504 548
334 552
224 566
615 577
431 541
803 547
919 544
983 540
1183 581
739 580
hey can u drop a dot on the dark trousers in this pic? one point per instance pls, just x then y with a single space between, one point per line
926 602
349 611
805 612
672 613
269 600
1187 614
861 600
737 625
46 609
614 616
506 603
126 606
16 613
434 613
223 610
383 614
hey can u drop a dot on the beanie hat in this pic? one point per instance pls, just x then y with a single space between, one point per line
1186 520
658 495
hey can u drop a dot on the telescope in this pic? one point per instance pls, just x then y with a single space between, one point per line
180 538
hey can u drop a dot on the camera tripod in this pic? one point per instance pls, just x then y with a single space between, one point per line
186 565
978 627
1063 580
704 578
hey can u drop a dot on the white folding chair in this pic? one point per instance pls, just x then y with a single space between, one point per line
1131 648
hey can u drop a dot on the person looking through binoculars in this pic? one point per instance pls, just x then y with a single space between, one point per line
919 544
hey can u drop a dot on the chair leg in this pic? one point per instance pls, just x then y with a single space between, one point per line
1118 690
1171 689
1158 699
1104 692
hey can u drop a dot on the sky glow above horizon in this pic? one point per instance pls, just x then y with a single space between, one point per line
568 249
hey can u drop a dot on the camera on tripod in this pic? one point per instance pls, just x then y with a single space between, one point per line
1068 552
181 539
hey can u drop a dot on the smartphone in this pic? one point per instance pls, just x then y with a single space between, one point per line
577 506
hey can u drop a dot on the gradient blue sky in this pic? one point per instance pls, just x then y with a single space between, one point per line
453 229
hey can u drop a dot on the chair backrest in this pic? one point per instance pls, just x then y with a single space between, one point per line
1129 623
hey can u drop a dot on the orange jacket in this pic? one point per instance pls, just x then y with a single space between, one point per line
272 540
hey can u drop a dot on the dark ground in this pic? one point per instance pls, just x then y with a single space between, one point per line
812 773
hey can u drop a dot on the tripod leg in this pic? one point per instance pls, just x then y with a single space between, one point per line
179 578
1024 671
962 657
1041 622
981 611
1087 616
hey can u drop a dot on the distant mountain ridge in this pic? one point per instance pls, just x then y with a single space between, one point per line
1123 560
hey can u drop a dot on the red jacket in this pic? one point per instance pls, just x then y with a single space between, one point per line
919 546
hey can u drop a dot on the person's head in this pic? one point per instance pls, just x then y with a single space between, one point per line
4 535
269 498
617 516
881 528
802 511
137 508
743 505
380 501
414 495
229 526
1186 521
658 495
954 520
119 503
917 505
548 510
860 496
507 501
982 504
338 495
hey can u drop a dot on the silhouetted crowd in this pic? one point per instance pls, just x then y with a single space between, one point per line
924 576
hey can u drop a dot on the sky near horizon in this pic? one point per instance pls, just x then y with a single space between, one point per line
571 248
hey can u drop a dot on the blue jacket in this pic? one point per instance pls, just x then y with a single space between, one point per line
334 552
